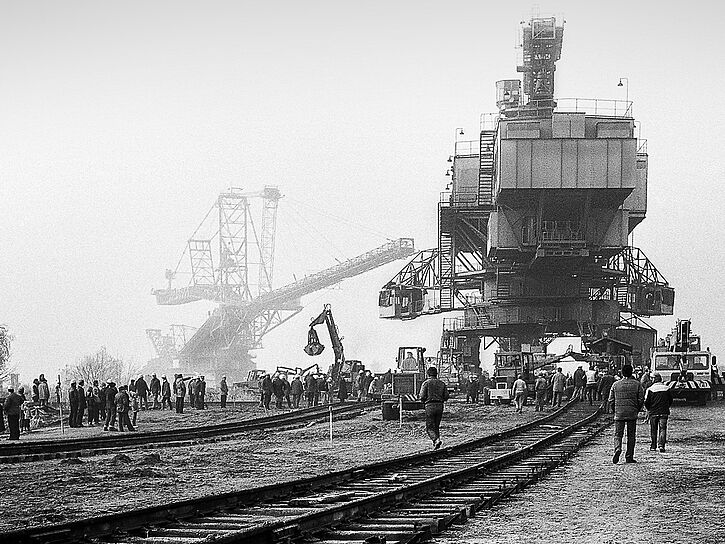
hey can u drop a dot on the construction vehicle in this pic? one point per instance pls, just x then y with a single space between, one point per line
405 382
508 365
248 390
341 368
685 368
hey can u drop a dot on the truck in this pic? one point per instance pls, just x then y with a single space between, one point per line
509 364
685 368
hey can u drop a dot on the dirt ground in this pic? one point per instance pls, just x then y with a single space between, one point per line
56 491
675 497
158 420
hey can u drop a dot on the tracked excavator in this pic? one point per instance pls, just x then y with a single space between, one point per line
342 368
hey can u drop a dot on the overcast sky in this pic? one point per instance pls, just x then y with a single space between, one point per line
121 122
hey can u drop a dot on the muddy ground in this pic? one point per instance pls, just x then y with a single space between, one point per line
56 491
674 498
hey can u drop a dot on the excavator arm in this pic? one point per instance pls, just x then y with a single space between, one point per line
314 347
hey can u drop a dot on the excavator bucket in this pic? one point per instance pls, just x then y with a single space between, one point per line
313 346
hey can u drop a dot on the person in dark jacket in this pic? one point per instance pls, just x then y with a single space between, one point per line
580 382
110 400
605 385
266 388
224 391
201 393
73 402
278 391
657 400
12 405
324 389
102 401
155 388
165 393
296 390
342 389
36 390
627 396
82 403
123 403
92 407
311 391
472 389
433 393
142 390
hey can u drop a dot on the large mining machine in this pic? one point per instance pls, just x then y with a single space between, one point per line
534 224
232 266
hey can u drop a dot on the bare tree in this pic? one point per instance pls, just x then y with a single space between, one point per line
130 369
101 366
5 339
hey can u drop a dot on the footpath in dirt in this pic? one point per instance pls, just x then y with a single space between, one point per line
58 491
676 497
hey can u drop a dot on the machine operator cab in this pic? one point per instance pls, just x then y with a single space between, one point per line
401 302
405 384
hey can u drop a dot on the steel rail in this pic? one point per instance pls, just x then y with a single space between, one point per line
184 510
54 449
309 523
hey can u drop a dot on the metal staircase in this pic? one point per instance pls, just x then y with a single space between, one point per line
486 168
446 263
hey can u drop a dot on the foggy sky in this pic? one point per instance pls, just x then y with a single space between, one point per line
121 122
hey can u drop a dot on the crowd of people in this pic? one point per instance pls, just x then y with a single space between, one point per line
316 389
117 407
106 403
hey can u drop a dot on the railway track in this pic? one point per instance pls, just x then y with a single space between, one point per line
404 500
26 450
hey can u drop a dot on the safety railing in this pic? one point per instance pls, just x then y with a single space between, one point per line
595 106
540 108
489 121
467 147
457 199
473 299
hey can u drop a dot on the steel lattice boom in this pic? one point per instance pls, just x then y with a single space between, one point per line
239 280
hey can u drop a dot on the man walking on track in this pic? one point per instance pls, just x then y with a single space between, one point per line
520 391
433 393
657 400
558 384
627 395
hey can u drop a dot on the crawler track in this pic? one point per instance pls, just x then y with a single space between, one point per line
404 500
26 450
